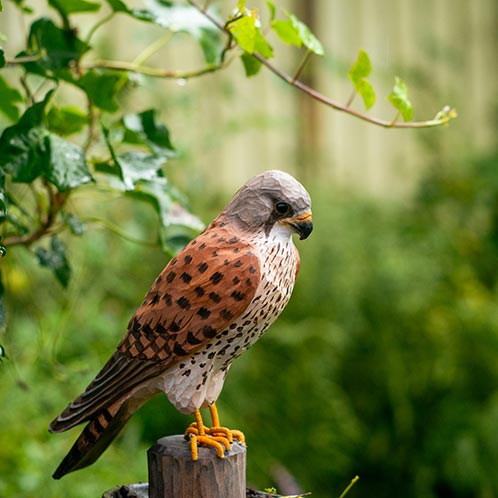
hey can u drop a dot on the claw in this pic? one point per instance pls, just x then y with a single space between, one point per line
217 437
216 443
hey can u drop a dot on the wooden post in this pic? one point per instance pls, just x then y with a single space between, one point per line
173 474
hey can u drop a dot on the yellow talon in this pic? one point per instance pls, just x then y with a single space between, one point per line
217 437
207 441
228 433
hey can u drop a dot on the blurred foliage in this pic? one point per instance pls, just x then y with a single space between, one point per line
383 365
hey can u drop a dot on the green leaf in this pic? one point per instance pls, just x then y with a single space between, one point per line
178 226
1 6
143 128
74 6
358 73
287 32
310 41
187 19
365 89
261 45
272 9
244 32
22 7
9 97
118 6
361 68
211 44
66 168
66 120
22 146
180 232
158 193
56 47
2 58
249 37
138 166
55 259
102 87
131 167
251 64
28 150
76 226
399 99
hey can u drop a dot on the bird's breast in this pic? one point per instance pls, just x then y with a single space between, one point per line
198 380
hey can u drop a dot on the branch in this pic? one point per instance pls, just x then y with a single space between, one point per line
314 94
150 71
56 202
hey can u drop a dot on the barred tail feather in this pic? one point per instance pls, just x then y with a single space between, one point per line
95 438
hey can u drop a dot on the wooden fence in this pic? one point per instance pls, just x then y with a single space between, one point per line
445 50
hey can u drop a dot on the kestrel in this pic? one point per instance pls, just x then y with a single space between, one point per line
209 305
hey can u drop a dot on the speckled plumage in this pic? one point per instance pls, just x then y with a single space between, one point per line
209 304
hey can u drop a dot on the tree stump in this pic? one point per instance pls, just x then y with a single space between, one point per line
173 474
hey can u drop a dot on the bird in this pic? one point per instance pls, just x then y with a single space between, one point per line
210 303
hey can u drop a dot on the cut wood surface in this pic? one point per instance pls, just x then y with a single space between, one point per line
173 474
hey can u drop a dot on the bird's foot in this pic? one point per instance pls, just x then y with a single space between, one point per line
230 434
200 436
218 431
220 444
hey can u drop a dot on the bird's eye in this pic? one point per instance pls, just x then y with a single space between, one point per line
281 208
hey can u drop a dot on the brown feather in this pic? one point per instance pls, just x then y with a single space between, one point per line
200 292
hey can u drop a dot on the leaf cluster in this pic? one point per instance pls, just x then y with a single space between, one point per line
50 150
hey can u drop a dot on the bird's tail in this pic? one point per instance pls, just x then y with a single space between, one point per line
95 438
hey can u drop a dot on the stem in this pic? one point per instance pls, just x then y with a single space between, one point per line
393 122
351 98
301 66
314 94
340 107
92 134
56 202
153 48
23 60
351 484
97 25
24 84
150 71
117 231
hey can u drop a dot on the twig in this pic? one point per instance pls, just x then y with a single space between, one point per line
153 48
301 66
350 485
56 202
117 231
97 25
150 71
92 124
351 98
24 59
314 94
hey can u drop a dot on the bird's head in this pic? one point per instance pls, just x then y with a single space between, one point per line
273 199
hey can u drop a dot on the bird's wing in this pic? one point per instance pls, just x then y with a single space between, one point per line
205 288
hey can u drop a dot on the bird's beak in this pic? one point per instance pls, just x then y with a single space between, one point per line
302 224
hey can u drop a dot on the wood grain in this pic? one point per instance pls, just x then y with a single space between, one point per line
173 474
